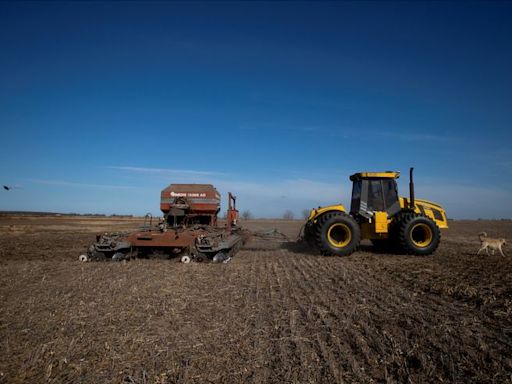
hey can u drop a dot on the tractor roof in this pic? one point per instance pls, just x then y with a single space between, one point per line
375 175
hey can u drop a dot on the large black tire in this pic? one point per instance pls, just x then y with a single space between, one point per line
337 234
201 258
309 234
417 234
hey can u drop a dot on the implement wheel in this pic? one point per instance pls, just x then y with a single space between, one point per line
337 234
417 234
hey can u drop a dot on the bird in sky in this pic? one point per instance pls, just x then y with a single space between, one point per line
10 188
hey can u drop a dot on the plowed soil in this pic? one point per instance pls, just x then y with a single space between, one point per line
277 313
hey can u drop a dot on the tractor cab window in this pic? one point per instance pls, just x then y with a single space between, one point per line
356 197
390 194
375 196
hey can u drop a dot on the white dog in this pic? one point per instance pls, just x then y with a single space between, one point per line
490 243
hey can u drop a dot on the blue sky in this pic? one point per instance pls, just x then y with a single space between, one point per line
104 104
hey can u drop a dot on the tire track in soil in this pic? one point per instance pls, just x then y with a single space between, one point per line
381 299
258 326
280 334
297 294
443 315
447 316
353 345
328 317
337 316
292 349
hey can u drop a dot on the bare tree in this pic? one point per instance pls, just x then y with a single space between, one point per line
288 215
247 215
305 213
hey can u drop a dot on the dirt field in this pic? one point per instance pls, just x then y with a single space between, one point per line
275 314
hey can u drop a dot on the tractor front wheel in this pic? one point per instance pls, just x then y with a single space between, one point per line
418 235
337 234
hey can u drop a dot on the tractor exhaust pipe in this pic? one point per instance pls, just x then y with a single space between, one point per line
411 189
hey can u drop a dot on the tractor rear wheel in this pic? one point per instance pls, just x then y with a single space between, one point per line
337 234
417 234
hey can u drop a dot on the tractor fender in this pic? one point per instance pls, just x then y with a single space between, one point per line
317 212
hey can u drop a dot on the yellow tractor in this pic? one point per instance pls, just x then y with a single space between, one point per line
377 213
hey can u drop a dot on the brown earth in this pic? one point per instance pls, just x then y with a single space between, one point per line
276 314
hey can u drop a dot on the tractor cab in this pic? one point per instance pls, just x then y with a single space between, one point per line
374 192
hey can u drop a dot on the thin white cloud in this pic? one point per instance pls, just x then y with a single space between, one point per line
407 136
347 132
63 183
272 198
290 188
281 127
467 201
165 171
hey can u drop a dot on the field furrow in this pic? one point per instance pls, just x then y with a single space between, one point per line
276 314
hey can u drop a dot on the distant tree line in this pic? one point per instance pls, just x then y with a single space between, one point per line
288 215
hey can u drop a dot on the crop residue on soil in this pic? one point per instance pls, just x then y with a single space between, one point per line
275 314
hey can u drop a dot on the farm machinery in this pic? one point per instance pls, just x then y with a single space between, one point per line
377 213
188 230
